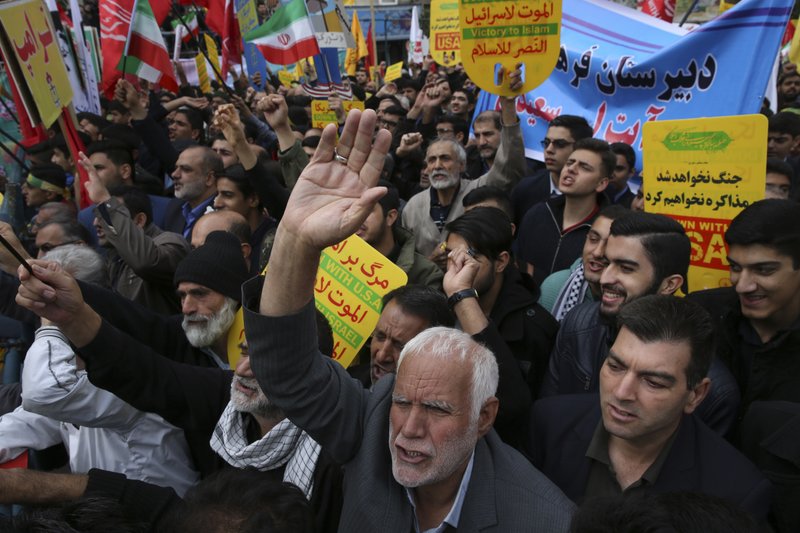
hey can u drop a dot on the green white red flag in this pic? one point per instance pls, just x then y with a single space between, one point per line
145 54
190 19
287 36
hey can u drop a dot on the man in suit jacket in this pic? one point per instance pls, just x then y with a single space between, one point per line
641 436
443 465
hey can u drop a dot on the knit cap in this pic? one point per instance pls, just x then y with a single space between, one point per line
218 264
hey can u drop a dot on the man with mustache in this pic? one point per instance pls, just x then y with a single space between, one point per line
641 436
647 254
427 212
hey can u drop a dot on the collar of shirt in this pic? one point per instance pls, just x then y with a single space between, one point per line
455 511
191 215
598 451
553 189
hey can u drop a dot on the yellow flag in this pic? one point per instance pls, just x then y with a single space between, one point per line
202 73
361 50
211 50
794 48
393 72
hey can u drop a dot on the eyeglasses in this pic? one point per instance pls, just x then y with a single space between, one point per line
47 247
558 143
387 123
443 131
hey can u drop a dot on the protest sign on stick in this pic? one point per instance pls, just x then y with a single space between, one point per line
703 172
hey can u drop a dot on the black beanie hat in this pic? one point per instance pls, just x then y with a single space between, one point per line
218 264
50 173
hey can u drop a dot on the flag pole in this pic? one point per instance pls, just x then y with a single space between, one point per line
200 45
11 154
128 41
372 44
13 140
8 109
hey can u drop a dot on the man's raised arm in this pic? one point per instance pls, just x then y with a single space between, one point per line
334 195
328 204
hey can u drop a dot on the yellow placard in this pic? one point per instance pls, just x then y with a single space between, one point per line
347 105
351 281
213 54
393 72
285 78
505 33
703 172
30 42
321 114
445 43
235 339
202 73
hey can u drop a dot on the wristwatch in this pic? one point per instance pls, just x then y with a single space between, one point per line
460 295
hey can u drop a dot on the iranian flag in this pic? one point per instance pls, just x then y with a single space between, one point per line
145 54
191 22
287 36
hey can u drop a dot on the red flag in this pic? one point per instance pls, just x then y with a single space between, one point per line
160 10
75 145
662 9
222 20
115 18
369 61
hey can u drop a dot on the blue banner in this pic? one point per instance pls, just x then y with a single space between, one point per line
619 68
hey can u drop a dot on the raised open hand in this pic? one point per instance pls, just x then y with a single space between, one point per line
336 191
97 190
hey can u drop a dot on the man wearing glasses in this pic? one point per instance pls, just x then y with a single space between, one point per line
562 134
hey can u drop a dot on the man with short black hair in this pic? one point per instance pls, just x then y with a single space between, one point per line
142 258
552 233
758 321
195 182
646 254
641 435
779 179
562 134
618 191
563 290
506 296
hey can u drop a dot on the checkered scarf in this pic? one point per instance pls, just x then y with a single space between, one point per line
572 294
285 444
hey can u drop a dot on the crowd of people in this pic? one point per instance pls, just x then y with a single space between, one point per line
543 369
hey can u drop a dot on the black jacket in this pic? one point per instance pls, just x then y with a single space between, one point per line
542 242
581 348
528 329
698 461
774 371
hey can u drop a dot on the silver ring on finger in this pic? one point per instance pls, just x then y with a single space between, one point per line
338 157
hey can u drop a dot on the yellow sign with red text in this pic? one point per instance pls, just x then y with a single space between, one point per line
322 115
31 43
497 33
351 281
445 32
703 172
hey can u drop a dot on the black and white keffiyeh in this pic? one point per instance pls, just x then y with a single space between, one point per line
285 444
572 294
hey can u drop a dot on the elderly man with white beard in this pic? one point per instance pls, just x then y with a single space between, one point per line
427 212
226 417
